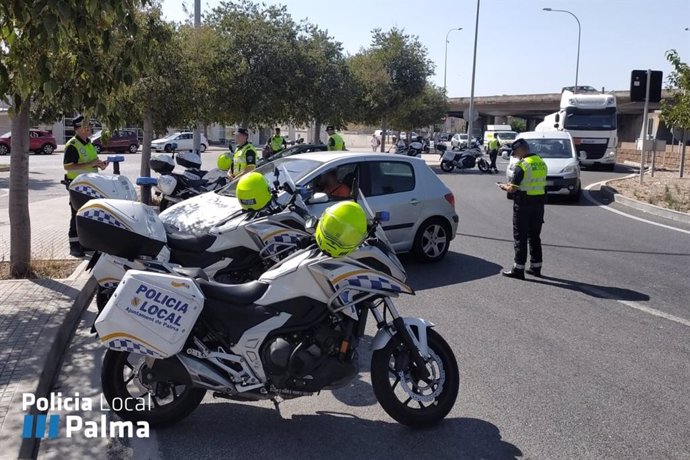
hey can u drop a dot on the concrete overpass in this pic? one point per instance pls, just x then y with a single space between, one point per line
533 108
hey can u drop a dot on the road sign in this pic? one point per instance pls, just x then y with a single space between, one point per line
466 116
638 84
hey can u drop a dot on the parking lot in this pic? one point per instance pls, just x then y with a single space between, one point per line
590 361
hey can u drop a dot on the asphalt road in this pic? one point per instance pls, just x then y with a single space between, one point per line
568 366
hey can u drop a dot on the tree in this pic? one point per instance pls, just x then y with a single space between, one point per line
424 110
39 40
518 125
676 111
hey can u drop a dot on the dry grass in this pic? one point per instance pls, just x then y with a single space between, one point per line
53 269
665 189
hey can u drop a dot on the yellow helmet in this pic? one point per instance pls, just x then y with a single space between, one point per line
224 161
341 229
253 191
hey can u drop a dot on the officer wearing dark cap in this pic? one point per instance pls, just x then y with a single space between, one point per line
335 140
529 194
80 157
244 159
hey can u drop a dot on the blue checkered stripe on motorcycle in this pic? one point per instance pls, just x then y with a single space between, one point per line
132 347
86 190
285 239
366 281
102 216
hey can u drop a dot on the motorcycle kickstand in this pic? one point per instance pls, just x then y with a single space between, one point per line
276 402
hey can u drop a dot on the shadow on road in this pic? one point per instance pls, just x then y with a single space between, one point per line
453 269
598 292
245 431
34 184
582 248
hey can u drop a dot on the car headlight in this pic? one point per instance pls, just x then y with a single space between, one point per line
569 169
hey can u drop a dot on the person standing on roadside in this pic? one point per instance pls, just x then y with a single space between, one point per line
375 143
277 142
244 159
528 189
80 157
335 140
493 147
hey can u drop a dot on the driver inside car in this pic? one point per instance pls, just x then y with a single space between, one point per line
331 186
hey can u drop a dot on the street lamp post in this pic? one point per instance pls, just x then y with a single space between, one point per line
470 117
579 32
445 62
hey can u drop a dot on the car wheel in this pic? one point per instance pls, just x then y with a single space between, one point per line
432 240
167 148
133 148
47 149
202 148
575 194
4 150
447 166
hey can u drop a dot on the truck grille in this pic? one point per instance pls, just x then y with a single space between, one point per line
594 151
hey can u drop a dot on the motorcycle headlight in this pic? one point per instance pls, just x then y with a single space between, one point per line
569 169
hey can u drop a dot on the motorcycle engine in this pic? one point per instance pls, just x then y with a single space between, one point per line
309 362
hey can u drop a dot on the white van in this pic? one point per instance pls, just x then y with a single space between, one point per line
504 134
557 150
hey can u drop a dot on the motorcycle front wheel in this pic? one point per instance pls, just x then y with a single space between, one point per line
483 165
123 378
407 397
447 166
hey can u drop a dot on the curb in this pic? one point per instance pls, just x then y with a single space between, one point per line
53 363
654 210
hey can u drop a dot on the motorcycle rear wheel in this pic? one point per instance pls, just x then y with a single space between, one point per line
409 399
447 166
483 165
170 401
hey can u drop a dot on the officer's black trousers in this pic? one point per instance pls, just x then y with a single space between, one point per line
73 238
528 217
492 156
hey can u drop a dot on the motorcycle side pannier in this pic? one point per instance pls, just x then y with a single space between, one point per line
162 164
90 186
120 228
150 314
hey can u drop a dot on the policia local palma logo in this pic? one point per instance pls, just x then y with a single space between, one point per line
51 426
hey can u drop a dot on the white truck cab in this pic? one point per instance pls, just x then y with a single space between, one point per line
590 118
504 134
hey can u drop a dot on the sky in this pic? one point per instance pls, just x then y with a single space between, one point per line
520 49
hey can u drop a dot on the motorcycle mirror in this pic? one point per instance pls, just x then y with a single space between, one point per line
383 216
310 225
318 198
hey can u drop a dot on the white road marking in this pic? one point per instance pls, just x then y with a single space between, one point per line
601 205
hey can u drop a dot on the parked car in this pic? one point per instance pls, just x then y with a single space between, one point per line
422 209
121 140
459 141
299 148
40 142
557 150
184 141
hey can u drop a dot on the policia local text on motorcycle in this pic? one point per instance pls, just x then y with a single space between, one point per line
528 190
80 157
244 159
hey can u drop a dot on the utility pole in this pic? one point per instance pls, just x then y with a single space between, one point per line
197 23
474 68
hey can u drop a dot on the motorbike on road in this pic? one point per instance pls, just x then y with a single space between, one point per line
466 158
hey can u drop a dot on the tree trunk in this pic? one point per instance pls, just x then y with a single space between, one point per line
682 153
384 133
146 156
317 131
20 221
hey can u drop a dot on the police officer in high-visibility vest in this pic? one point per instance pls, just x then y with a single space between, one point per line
494 145
277 142
244 159
80 157
335 140
528 189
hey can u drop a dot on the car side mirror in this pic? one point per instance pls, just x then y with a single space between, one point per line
558 118
318 198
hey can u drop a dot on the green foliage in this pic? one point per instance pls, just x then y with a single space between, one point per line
426 109
518 125
676 111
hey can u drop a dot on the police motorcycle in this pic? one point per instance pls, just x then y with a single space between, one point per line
238 247
292 333
172 188
90 186
465 158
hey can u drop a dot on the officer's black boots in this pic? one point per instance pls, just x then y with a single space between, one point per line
517 273
534 271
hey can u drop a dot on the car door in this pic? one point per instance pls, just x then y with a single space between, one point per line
347 173
391 186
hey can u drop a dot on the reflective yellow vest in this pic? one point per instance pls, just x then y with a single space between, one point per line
276 143
534 180
87 153
239 160
493 144
339 143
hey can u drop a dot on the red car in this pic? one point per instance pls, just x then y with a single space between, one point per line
40 141
121 140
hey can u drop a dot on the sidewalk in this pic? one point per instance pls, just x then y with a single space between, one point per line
37 319
49 224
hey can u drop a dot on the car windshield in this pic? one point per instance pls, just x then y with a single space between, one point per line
550 148
296 167
591 120
7 134
506 136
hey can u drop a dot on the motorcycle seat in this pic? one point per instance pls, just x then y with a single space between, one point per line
237 294
194 273
190 242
